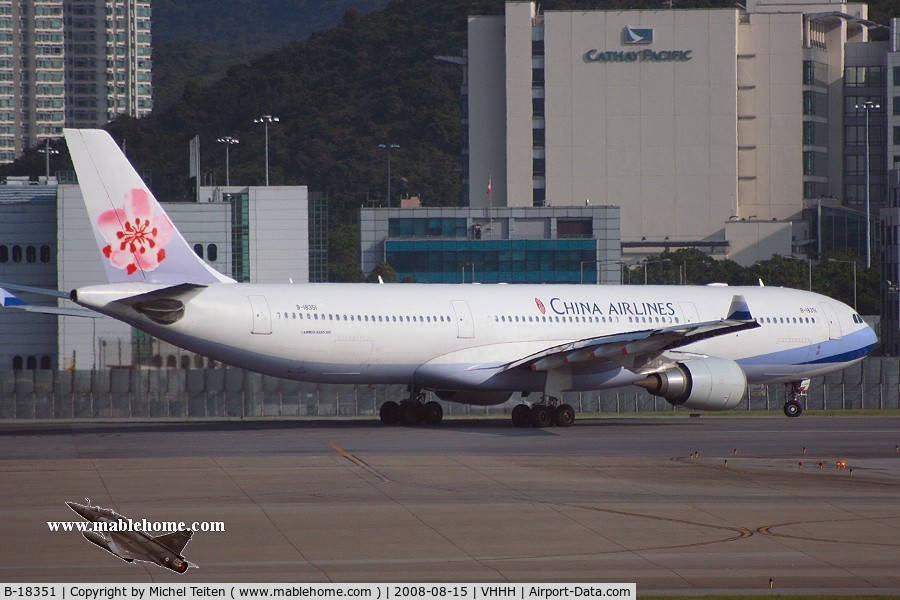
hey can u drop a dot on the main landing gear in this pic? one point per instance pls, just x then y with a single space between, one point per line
412 411
549 412
796 391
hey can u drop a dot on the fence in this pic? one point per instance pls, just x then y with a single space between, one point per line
203 393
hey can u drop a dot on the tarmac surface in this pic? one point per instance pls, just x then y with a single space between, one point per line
646 500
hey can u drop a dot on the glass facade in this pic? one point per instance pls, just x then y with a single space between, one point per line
495 261
318 238
433 227
841 230
240 235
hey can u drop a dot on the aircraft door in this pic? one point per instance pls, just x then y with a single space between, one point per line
834 324
464 324
689 312
262 318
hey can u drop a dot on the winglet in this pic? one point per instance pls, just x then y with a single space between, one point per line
8 300
739 310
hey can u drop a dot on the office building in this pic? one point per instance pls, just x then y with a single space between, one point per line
504 245
723 129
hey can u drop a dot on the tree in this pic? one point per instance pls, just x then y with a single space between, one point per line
343 254
383 270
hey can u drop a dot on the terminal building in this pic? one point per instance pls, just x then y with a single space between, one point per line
576 244
739 131
258 234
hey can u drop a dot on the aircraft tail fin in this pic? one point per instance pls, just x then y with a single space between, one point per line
175 541
136 238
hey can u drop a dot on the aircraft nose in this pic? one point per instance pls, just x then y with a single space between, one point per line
79 508
871 338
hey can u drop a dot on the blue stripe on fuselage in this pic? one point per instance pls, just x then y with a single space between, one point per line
852 346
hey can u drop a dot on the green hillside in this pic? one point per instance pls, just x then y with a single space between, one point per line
200 39
339 94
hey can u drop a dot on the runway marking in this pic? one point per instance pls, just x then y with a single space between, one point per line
358 461
767 530
741 533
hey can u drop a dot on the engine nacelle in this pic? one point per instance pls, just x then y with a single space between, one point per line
701 384
473 397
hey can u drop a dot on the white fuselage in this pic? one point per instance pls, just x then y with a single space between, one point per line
454 336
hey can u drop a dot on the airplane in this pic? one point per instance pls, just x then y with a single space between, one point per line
164 550
696 346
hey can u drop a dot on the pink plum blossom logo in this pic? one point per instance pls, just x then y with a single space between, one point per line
540 306
136 235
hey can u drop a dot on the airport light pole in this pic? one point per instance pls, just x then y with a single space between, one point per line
388 147
852 262
266 120
462 267
653 262
599 263
867 106
809 267
47 151
228 141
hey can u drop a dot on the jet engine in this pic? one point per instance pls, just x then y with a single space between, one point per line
701 384
473 397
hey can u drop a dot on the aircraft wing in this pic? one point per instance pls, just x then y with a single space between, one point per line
633 348
10 300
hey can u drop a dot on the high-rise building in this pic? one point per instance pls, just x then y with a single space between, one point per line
730 130
70 63
108 64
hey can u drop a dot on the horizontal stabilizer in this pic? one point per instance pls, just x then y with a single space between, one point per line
9 300
35 290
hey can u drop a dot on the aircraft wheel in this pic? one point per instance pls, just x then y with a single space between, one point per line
541 416
389 413
432 413
521 415
792 408
564 415
410 413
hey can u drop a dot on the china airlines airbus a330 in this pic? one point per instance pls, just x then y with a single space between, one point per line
697 347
